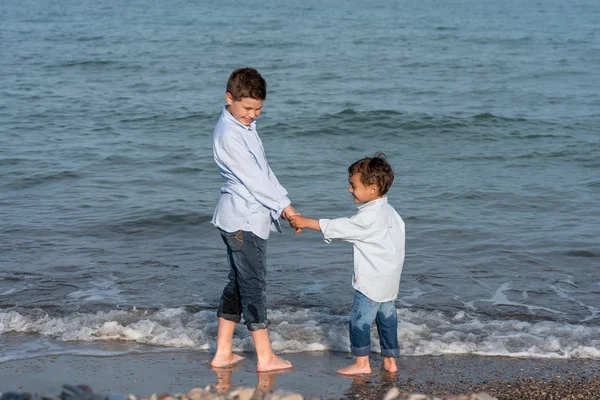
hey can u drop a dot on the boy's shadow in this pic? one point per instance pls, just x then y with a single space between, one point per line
265 380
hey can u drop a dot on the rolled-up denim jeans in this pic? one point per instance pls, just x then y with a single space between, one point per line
244 294
364 312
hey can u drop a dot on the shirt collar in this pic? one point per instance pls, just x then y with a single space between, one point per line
374 203
227 115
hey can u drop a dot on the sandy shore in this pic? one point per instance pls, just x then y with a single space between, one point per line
313 375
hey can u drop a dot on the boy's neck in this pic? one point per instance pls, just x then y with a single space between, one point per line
373 199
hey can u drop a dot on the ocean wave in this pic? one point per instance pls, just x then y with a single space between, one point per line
85 63
420 332
581 253
89 38
12 161
183 170
43 178
192 116
396 123
133 224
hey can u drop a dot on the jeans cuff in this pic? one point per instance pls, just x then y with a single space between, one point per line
360 351
390 353
230 317
255 326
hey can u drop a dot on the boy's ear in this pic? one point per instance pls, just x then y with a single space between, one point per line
228 98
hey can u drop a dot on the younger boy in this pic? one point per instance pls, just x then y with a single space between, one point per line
377 235
252 200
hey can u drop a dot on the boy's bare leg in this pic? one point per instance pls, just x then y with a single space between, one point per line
361 366
224 356
389 364
267 360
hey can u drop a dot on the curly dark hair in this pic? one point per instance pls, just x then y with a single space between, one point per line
374 171
246 82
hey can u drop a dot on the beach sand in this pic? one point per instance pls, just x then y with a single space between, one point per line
313 375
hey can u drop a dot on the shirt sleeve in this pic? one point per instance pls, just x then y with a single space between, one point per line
276 182
353 229
242 163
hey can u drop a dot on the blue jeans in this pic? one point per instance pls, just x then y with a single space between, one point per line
364 312
245 291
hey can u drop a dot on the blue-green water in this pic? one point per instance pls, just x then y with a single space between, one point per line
489 114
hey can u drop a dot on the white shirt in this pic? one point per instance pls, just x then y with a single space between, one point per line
377 236
251 197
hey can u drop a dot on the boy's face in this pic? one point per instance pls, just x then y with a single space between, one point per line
245 110
360 192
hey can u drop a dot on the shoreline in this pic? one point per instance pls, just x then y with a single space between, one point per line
313 375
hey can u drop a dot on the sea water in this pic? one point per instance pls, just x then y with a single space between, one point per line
489 113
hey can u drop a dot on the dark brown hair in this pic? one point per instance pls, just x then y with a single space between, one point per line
374 171
246 82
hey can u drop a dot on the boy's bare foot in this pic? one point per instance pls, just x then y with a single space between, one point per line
389 364
355 369
225 360
275 363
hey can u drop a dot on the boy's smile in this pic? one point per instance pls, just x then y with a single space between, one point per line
245 110
360 192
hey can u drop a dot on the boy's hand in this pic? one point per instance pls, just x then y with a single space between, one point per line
287 212
297 221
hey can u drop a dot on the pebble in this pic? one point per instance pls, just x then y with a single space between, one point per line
84 392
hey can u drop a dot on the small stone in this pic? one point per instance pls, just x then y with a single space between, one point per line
85 388
242 394
11 396
391 394
115 396
294 396
70 392
484 396
196 394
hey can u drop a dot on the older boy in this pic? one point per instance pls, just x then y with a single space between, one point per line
251 202
377 235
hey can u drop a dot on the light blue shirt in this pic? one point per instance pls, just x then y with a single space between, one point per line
377 235
251 198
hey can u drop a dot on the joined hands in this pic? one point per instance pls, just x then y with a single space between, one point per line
288 214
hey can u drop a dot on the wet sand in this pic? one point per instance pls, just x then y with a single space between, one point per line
313 375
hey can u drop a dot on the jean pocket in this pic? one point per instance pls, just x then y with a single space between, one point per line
236 240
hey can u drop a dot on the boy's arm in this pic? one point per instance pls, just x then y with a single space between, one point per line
299 222
355 228
238 158
349 229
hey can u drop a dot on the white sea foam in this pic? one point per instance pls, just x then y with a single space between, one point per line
419 332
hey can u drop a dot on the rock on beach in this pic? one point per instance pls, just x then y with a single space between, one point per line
84 392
